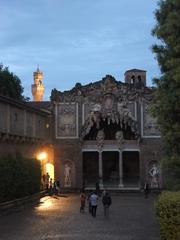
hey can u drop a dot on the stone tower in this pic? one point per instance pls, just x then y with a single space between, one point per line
37 88
134 76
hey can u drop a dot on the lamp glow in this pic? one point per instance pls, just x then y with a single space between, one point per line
42 156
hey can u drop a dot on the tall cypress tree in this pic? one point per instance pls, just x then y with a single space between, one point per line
167 105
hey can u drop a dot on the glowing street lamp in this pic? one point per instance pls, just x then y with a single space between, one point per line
42 156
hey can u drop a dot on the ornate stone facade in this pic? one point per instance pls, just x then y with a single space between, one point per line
107 118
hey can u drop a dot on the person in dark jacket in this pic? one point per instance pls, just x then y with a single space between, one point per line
146 189
106 200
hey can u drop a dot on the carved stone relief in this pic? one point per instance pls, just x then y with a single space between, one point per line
88 108
150 126
108 102
112 111
132 109
66 120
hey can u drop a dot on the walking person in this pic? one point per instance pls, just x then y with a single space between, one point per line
50 187
56 187
47 177
146 190
94 202
106 200
89 200
83 201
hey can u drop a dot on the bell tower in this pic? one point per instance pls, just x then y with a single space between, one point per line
135 76
37 88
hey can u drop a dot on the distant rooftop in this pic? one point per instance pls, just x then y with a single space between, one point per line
134 70
41 105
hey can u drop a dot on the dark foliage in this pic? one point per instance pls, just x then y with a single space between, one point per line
168 213
167 98
10 84
19 177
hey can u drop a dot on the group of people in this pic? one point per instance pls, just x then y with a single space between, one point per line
92 199
52 187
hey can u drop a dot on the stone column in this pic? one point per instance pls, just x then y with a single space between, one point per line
120 170
100 171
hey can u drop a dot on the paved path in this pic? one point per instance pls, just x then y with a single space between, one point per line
131 218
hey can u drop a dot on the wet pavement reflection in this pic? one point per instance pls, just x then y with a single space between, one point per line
57 217
47 204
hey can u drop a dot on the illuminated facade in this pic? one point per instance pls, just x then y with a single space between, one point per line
100 132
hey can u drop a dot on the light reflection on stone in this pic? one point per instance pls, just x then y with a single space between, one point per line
47 203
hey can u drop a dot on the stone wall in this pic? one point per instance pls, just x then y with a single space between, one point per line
67 153
151 152
23 129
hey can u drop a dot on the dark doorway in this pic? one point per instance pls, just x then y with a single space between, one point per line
110 163
131 168
90 168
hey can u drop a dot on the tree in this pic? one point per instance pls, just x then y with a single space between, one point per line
10 84
167 105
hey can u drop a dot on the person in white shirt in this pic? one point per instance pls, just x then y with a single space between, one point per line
94 203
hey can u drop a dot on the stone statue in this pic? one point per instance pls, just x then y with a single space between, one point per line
67 175
119 138
96 107
154 173
100 138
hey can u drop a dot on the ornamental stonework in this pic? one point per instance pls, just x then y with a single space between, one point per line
106 100
66 120
150 126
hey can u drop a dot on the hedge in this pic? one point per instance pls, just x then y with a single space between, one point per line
19 177
168 213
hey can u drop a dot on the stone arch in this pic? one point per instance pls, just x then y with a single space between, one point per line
132 79
139 79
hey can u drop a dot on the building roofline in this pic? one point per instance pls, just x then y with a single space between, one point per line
21 104
134 70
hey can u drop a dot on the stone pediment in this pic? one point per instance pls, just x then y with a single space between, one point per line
94 91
